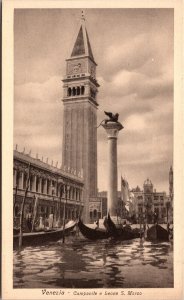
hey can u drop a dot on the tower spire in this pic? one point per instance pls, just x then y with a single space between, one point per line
82 46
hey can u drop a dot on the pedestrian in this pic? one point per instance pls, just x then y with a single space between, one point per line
97 224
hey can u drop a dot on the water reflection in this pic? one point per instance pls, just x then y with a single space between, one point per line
80 263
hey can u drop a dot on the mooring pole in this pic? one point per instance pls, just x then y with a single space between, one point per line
67 188
22 207
34 211
60 182
15 200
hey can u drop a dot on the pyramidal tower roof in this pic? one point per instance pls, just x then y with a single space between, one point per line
82 45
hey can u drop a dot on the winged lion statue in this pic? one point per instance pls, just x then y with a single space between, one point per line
112 117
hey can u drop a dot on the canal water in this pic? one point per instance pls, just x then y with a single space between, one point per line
80 263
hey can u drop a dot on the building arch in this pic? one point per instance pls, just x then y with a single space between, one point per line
69 92
95 213
78 90
82 90
73 91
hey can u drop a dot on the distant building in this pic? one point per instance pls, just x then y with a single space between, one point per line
148 203
137 205
50 187
98 206
95 209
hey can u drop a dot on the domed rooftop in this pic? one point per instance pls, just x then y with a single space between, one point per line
148 182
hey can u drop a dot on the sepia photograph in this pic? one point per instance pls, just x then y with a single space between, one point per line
92 151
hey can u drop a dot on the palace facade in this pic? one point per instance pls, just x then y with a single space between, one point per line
49 187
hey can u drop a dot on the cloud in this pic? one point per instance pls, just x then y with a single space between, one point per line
122 55
134 83
136 122
146 51
38 116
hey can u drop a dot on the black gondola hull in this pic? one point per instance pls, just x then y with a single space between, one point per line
157 232
111 231
42 237
92 234
122 233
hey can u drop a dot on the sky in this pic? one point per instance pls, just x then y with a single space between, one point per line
134 52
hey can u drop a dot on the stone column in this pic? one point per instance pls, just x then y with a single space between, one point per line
22 180
77 195
40 185
34 183
48 186
45 186
15 178
112 129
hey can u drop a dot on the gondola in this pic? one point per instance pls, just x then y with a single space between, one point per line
157 232
123 232
92 234
44 236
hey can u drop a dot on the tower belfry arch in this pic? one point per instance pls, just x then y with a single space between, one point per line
80 114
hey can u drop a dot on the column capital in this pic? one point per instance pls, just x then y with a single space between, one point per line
112 129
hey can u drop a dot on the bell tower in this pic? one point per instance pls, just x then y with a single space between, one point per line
79 151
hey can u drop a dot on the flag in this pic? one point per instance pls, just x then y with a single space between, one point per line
124 190
127 207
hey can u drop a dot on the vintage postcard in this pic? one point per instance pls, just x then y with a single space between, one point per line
92 150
